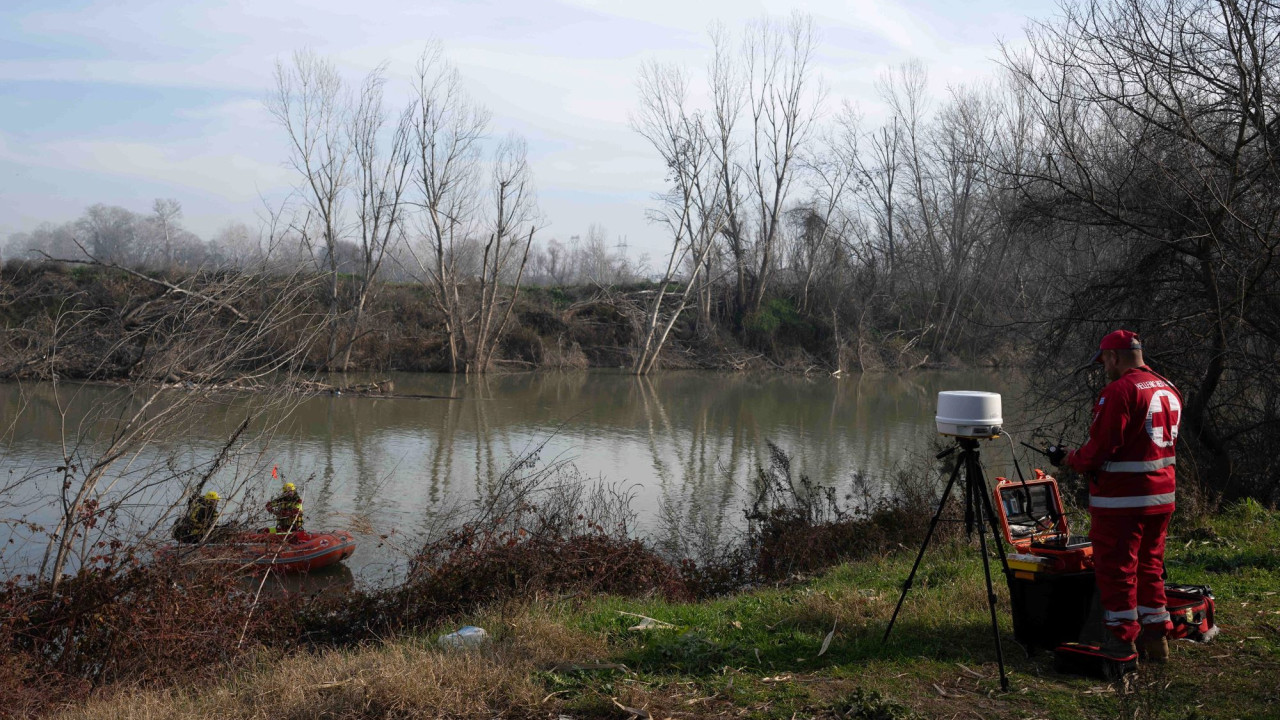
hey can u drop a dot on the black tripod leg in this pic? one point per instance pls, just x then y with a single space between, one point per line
987 508
980 488
942 503
969 507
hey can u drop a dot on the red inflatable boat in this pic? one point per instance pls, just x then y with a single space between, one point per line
289 553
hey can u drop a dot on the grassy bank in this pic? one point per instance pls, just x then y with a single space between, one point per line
758 653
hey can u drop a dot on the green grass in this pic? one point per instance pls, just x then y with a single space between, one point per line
940 658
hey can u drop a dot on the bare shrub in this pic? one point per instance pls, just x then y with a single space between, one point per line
799 526
543 530
796 526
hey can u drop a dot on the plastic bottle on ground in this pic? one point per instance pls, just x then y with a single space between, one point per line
465 636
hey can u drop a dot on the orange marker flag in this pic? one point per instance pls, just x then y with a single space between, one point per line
274 473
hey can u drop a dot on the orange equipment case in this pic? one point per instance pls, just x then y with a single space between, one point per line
1051 582
1034 524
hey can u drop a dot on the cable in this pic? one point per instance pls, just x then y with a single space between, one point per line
1013 450
1053 517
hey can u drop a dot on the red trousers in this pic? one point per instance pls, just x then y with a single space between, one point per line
1128 560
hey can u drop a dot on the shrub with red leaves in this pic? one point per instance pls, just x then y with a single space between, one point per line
148 624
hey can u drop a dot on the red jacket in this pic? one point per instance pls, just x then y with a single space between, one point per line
1130 452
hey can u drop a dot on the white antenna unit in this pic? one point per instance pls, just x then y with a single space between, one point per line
969 414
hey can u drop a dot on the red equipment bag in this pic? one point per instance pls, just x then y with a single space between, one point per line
1191 610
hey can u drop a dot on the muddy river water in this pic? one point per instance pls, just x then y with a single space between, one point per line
684 445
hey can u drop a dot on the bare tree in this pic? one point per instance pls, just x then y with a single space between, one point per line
692 209
450 191
600 266
947 220
879 176
550 264
727 94
381 179
311 103
238 244
506 253
110 232
905 92
47 238
599 263
832 176
165 214
448 129
783 100
557 262
960 139
1157 178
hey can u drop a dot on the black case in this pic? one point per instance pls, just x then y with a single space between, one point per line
1050 609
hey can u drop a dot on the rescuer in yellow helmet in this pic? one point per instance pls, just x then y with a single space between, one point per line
287 508
200 519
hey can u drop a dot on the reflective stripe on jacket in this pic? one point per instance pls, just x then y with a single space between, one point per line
1131 446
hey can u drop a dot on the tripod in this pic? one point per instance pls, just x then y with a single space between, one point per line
977 501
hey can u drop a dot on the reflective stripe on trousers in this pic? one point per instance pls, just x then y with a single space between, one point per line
1137 466
1150 615
1135 501
1119 617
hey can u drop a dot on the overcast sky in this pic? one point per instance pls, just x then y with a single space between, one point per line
127 101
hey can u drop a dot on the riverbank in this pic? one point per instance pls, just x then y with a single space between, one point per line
759 653
87 322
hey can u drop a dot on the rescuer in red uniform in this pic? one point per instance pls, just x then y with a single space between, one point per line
1129 459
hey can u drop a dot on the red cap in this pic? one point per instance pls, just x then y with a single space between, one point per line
1117 340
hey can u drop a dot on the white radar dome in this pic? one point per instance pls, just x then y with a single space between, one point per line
969 413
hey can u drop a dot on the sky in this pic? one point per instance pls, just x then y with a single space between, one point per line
126 101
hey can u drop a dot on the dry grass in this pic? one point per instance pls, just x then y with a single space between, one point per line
409 678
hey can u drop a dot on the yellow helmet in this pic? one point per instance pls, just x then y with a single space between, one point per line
211 495
288 487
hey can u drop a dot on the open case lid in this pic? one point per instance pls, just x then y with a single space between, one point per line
1031 511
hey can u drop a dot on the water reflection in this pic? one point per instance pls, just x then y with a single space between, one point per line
686 444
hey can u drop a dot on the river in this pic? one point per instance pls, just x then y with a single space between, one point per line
683 444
